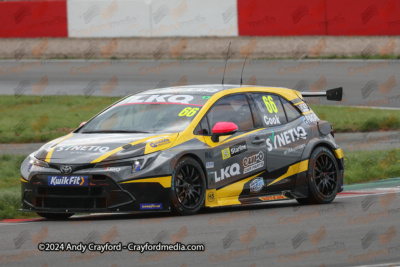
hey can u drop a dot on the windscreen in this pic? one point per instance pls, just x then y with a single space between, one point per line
148 114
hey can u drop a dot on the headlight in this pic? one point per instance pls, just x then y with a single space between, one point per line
36 164
137 163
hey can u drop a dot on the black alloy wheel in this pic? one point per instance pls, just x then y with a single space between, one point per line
322 177
188 187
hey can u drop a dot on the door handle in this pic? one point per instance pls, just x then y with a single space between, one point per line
258 141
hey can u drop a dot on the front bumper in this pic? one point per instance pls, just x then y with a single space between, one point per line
102 194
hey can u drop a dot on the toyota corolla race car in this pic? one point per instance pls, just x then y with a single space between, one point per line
183 148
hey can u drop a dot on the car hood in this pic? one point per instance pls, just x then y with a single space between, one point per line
77 148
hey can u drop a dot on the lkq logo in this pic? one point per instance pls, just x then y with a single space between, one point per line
256 185
234 150
285 138
227 172
253 162
184 99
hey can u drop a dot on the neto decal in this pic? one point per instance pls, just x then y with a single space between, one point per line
285 138
256 185
234 150
253 162
184 99
227 172
101 149
160 143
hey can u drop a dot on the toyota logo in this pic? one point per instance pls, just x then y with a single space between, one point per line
65 169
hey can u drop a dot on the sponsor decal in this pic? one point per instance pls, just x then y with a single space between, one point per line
101 149
293 149
136 167
303 107
256 185
210 197
209 165
211 176
160 143
253 162
234 150
67 180
208 155
150 206
227 172
183 99
270 198
113 169
285 138
272 121
309 118
206 97
187 89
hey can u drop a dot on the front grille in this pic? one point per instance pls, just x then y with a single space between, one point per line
70 191
72 203
102 192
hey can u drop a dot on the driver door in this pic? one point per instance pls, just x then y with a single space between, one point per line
236 156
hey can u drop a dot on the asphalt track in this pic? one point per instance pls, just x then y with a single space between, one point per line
358 228
370 83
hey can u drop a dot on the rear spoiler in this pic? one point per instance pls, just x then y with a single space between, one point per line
331 94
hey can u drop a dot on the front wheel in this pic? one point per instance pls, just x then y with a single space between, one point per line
322 177
188 187
55 216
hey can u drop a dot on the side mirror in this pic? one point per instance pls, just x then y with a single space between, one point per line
223 128
82 123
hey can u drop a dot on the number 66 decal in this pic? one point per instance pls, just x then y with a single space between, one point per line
270 104
188 112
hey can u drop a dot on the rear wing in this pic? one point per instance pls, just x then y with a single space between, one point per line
331 94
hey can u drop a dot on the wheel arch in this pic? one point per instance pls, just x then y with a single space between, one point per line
316 143
196 158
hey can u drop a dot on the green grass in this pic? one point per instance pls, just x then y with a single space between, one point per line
27 119
350 119
10 187
360 166
367 166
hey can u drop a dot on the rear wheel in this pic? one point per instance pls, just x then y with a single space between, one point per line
55 216
188 187
322 177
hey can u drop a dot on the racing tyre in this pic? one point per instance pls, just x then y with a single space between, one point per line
322 177
55 216
188 187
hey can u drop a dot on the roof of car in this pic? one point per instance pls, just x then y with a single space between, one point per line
205 89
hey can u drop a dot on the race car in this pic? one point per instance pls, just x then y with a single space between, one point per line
183 148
